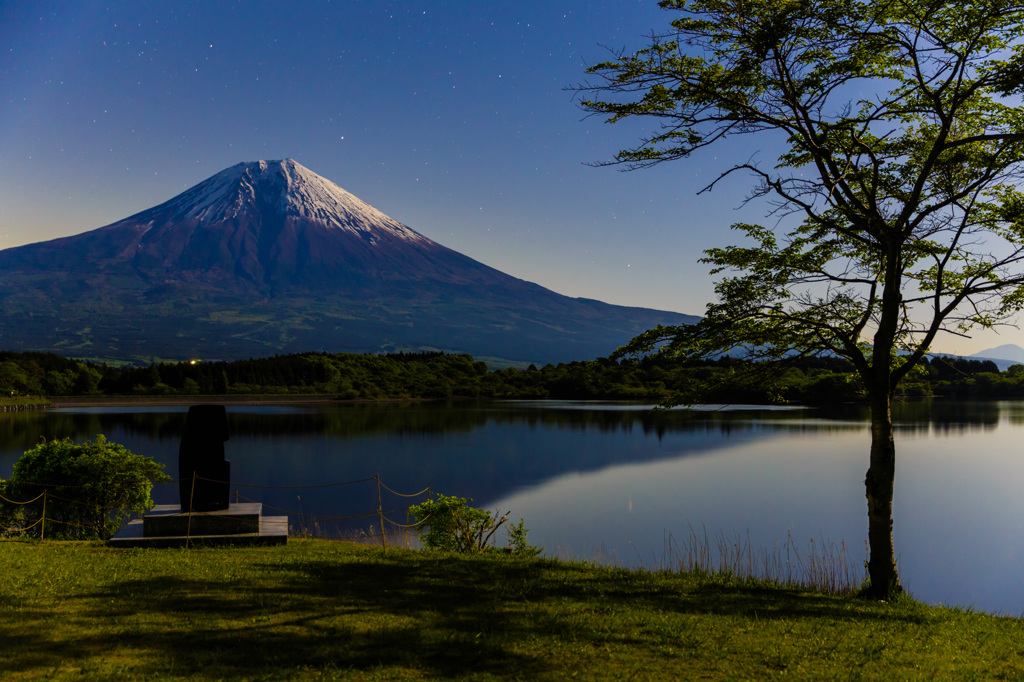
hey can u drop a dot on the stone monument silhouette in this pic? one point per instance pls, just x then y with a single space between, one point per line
211 519
204 473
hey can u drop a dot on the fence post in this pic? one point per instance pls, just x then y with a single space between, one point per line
236 496
380 511
407 526
44 515
191 495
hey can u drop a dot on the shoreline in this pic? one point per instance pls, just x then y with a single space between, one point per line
155 401
313 398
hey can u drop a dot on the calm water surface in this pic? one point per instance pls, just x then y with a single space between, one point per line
615 479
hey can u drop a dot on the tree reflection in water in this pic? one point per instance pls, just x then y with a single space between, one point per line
481 450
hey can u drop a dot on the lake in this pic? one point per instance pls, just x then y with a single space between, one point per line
614 480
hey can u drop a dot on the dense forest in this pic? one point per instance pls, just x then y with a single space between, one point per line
442 376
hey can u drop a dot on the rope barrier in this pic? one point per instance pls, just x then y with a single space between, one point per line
283 487
19 530
286 511
249 499
427 489
47 518
242 485
312 517
58 497
51 485
89 485
71 523
306 518
302 520
304 515
410 525
29 502
338 518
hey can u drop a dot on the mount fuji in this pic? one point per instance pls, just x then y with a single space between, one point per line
269 257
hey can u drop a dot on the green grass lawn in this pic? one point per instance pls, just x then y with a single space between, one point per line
314 610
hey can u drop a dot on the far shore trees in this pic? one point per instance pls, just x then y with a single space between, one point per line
895 203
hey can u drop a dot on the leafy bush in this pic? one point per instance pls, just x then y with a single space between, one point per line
92 488
449 524
517 538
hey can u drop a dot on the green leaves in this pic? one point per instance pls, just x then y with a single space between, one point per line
449 524
896 213
92 488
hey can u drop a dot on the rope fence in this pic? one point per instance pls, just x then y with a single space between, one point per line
425 490
303 518
72 523
51 496
281 487
29 502
313 517
90 485
41 519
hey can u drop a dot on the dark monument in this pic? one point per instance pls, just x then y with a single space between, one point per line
205 474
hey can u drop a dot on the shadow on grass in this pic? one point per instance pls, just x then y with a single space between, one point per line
442 616
316 614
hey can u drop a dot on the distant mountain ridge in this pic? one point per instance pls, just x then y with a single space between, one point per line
269 257
1008 352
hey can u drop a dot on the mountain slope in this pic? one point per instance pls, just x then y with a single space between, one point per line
269 257
1008 351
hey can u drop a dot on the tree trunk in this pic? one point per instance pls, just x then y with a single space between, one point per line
885 581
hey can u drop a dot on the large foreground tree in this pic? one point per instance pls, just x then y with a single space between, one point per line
896 212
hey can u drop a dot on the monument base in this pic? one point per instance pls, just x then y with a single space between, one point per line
240 524
235 520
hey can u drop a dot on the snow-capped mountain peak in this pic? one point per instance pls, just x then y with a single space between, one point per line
288 188
269 257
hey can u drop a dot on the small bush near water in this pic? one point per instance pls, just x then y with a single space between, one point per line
442 523
91 489
449 524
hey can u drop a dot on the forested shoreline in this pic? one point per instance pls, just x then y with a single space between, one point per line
439 376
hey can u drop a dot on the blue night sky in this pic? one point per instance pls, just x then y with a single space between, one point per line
451 117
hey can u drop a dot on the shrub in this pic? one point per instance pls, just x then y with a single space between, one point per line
92 488
449 524
517 538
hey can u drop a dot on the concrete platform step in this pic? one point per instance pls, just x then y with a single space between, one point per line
167 520
273 530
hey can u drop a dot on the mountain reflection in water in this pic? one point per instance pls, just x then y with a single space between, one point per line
586 475
474 449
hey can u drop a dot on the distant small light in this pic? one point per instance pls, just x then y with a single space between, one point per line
193 362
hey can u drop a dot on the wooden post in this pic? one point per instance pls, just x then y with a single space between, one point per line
380 511
188 529
44 515
236 496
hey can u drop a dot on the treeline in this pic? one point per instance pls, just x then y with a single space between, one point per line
442 376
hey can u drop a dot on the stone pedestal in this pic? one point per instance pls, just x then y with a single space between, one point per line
240 524
206 515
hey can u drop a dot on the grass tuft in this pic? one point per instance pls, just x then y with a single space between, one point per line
824 566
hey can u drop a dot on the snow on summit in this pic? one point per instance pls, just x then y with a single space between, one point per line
290 189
